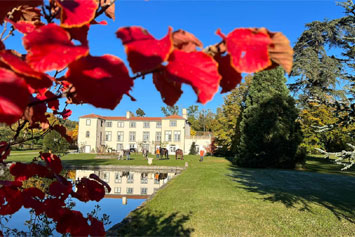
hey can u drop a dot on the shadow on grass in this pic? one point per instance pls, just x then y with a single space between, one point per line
296 189
320 164
140 223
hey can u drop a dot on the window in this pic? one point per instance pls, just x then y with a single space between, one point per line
88 122
172 148
130 178
108 136
109 124
87 134
118 178
117 189
120 124
159 124
144 191
144 178
146 125
177 136
120 136
102 123
119 146
145 136
132 124
129 190
172 123
106 176
132 136
132 145
168 136
158 136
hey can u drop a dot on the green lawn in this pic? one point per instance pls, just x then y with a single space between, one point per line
214 198
89 159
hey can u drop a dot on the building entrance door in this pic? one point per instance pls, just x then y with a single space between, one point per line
87 149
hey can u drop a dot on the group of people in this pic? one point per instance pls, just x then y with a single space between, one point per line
145 153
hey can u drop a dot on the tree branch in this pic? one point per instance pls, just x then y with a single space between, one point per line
103 8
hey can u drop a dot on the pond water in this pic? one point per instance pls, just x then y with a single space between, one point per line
130 187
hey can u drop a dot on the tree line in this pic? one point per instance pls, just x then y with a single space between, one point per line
261 125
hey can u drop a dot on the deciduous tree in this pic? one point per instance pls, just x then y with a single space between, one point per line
140 112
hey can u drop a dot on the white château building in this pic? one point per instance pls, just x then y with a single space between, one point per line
99 133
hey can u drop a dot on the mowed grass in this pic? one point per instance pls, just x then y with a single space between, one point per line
214 198
91 160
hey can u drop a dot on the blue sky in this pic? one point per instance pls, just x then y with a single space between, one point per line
201 18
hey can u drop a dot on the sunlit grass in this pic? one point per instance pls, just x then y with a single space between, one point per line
214 198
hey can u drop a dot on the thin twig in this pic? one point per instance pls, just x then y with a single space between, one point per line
10 33
103 8
4 30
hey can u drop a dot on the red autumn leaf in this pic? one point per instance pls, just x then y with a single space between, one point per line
11 183
96 227
74 223
63 132
186 41
144 52
100 81
7 6
14 96
89 190
60 189
25 171
37 113
248 49
2 46
52 104
97 178
52 161
30 199
26 13
25 27
65 113
197 69
110 12
49 48
76 13
35 80
280 51
10 200
169 90
80 34
230 77
4 151
54 208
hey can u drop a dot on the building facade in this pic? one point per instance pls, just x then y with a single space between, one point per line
101 133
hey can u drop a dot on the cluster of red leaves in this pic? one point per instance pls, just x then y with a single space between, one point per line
27 91
13 196
242 50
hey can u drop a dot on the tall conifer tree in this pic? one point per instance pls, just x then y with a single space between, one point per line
270 134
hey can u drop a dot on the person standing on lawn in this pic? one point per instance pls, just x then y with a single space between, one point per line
157 152
202 153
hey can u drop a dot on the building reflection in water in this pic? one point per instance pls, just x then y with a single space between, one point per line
132 184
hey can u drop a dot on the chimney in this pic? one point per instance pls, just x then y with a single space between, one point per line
184 113
129 115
